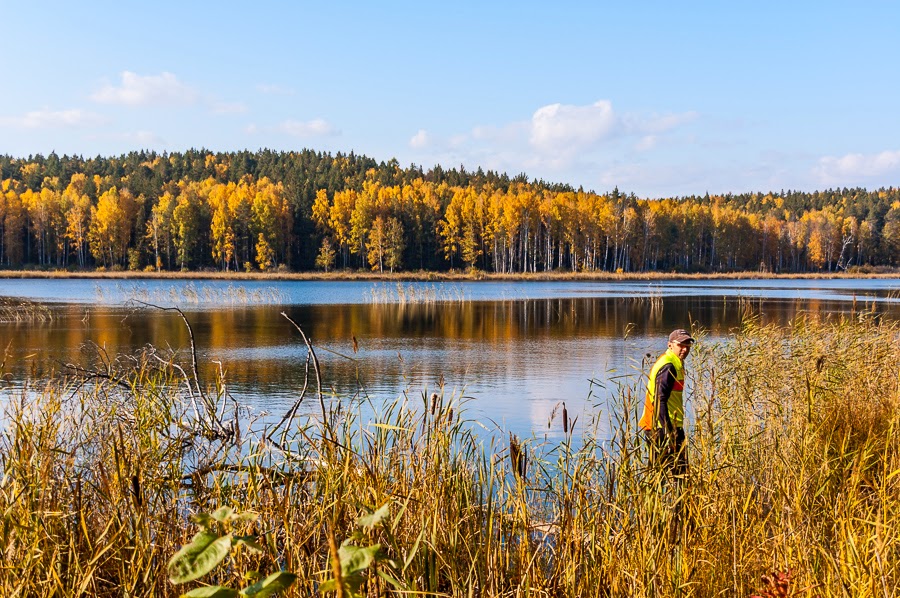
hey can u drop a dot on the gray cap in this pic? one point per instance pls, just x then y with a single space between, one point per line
680 336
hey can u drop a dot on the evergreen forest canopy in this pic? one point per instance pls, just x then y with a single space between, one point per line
269 210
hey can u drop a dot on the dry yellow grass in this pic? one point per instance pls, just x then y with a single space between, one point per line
795 465
454 275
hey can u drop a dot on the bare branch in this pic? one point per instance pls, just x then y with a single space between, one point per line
315 368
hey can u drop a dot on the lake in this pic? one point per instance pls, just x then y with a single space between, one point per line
511 350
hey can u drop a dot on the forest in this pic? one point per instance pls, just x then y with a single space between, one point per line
305 210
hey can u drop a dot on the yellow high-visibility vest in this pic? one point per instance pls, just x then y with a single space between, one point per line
676 398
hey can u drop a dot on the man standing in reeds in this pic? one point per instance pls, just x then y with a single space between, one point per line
663 417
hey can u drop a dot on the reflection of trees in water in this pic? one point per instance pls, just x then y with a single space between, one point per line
466 337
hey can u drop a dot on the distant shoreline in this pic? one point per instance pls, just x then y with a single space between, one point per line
422 276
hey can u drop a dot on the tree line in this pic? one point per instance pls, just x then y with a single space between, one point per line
270 210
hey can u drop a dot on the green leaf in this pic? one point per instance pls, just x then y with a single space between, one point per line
273 583
202 519
390 579
354 582
270 543
328 586
354 558
251 576
199 557
415 549
211 592
250 542
373 519
245 517
222 514
389 427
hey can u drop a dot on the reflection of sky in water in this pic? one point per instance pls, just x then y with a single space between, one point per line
517 360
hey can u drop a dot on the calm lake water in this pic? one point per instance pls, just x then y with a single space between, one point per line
514 350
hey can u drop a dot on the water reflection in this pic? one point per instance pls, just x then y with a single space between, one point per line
516 358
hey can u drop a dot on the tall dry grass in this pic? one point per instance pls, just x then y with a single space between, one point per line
795 467
451 275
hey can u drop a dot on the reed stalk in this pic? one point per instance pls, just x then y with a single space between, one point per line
794 475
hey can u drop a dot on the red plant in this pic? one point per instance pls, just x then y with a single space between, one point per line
777 585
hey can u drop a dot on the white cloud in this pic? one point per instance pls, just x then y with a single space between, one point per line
420 139
311 128
142 138
228 108
646 143
852 167
54 119
147 138
557 137
138 90
561 127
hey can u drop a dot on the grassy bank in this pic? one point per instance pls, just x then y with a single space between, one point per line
795 469
454 275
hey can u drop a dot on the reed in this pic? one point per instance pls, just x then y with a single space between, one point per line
191 294
23 311
452 275
408 294
795 476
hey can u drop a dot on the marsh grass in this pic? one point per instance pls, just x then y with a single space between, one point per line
404 293
15 310
192 294
452 275
795 466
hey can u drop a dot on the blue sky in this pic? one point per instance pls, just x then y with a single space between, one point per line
658 98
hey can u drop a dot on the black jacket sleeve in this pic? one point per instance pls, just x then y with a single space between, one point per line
665 382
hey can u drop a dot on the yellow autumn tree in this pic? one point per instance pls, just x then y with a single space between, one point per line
110 228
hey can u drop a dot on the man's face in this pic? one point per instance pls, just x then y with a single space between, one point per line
680 349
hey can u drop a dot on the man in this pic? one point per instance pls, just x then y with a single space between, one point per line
663 417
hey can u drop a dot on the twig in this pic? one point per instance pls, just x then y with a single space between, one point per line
211 408
315 368
289 414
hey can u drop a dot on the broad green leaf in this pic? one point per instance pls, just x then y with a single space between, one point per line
354 582
328 586
354 558
211 592
245 517
273 583
373 519
198 558
202 519
250 542
222 514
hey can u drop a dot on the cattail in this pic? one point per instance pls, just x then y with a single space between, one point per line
136 488
517 455
565 418
434 401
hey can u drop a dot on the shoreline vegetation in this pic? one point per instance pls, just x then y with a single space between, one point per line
299 211
432 276
793 490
